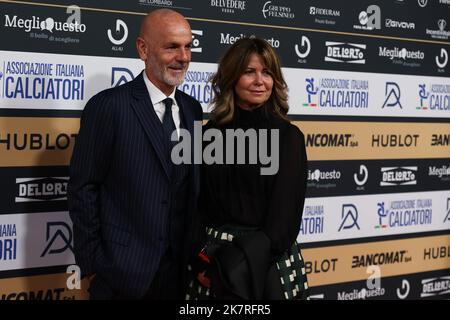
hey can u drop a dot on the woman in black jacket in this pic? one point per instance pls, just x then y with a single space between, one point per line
252 194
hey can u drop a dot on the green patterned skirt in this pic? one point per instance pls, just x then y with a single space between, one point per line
290 265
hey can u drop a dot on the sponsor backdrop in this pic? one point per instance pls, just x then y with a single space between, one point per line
369 86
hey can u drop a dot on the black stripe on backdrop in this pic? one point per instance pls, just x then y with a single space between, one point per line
213 36
423 285
325 179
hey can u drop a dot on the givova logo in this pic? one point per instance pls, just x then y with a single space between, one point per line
59 238
41 189
435 287
8 242
390 23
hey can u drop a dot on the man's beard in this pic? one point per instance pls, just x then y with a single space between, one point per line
163 73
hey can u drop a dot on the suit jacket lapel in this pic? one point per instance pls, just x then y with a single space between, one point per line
186 112
150 122
189 117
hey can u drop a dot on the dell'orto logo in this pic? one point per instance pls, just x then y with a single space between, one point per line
362 176
41 189
195 40
120 35
435 286
398 176
120 76
442 59
349 217
58 237
392 93
345 52
302 51
369 19
422 3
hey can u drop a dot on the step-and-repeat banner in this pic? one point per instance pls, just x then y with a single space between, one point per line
369 85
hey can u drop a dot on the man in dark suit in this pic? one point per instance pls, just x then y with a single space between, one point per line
131 206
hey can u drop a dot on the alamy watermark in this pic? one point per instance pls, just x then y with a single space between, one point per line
240 145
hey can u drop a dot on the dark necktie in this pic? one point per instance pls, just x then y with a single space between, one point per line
167 121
